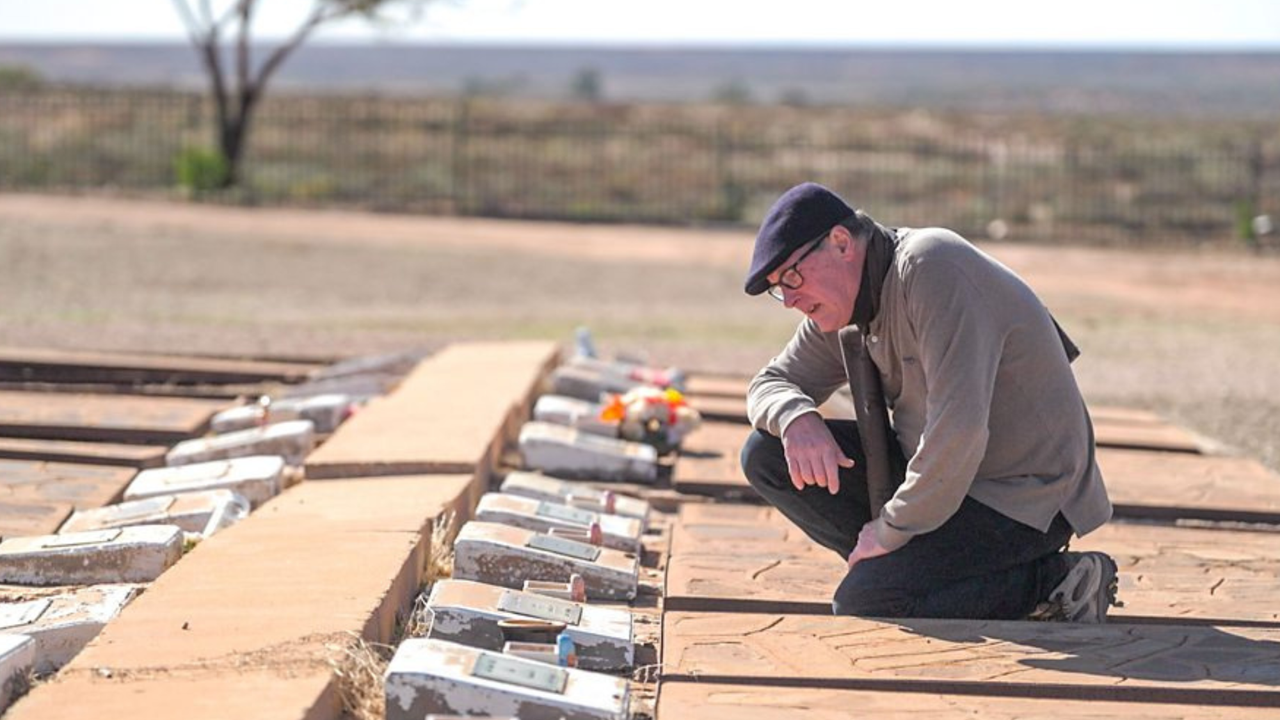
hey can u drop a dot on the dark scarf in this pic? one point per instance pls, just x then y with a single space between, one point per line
886 465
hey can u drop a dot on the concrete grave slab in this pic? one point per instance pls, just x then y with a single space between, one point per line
92 453
61 625
761 701
131 554
1178 574
66 366
575 413
84 486
434 676
202 513
731 514
1144 436
589 383
753 582
103 418
19 519
1166 485
707 384
326 413
566 452
449 415
571 492
708 463
716 538
468 613
507 556
257 478
715 408
1239 666
292 440
620 533
17 656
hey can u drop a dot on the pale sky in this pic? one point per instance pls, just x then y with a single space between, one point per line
1209 24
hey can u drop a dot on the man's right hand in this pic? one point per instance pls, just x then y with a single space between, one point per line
813 457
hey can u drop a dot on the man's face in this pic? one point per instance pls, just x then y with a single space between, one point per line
832 275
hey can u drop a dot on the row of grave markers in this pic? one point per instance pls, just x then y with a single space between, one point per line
102 557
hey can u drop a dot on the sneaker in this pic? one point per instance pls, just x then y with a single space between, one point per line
1085 594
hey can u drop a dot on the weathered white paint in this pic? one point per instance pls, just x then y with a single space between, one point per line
257 478
61 625
434 676
503 555
619 532
542 487
17 656
202 513
574 413
292 440
565 452
130 554
326 412
468 613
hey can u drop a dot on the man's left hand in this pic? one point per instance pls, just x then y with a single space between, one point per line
868 545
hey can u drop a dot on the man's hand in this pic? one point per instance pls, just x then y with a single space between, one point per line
868 545
813 457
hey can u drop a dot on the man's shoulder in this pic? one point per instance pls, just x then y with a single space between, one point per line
916 244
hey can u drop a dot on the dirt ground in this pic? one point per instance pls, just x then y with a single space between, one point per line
1193 334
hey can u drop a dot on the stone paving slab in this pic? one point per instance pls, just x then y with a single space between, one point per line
104 418
1181 485
719 408
64 366
1141 436
32 518
753 582
730 386
1239 666
119 454
83 486
714 701
708 462
726 538
268 598
444 416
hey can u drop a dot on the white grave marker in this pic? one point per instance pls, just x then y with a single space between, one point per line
293 440
17 656
326 412
565 452
508 556
130 554
257 478
434 676
620 533
541 487
574 413
61 625
468 613
202 513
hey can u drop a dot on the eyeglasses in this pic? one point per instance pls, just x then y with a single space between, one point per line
790 278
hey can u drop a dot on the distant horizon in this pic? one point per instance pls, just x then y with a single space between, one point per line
723 45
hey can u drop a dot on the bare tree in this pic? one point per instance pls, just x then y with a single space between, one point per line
222 37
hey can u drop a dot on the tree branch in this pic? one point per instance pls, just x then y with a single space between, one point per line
194 29
245 8
318 17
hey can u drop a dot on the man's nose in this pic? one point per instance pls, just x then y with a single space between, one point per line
789 297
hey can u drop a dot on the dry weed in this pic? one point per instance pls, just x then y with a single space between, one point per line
360 667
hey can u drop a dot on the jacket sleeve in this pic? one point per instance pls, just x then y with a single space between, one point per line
961 341
796 381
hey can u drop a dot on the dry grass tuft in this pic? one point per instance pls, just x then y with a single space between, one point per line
440 556
360 667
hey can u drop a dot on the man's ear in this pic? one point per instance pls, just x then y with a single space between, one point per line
843 240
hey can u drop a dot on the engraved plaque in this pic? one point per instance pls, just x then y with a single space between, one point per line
525 673
561 546
144 509
540 607
566 514
77 539
19 614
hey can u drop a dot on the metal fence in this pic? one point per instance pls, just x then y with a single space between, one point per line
660 163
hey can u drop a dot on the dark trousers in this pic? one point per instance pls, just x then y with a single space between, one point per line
979 564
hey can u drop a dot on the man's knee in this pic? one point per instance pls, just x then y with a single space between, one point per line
860 594
762 459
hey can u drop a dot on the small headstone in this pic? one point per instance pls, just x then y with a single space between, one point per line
565 452
17 656
574 413
588 384
293 440
434 676
468 613
326 412
576 493
61 625
257 478
508 556
619 533
130 554
202 513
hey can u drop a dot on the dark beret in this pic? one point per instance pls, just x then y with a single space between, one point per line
803 214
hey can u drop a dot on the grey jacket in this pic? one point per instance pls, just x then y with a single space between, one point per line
981 395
